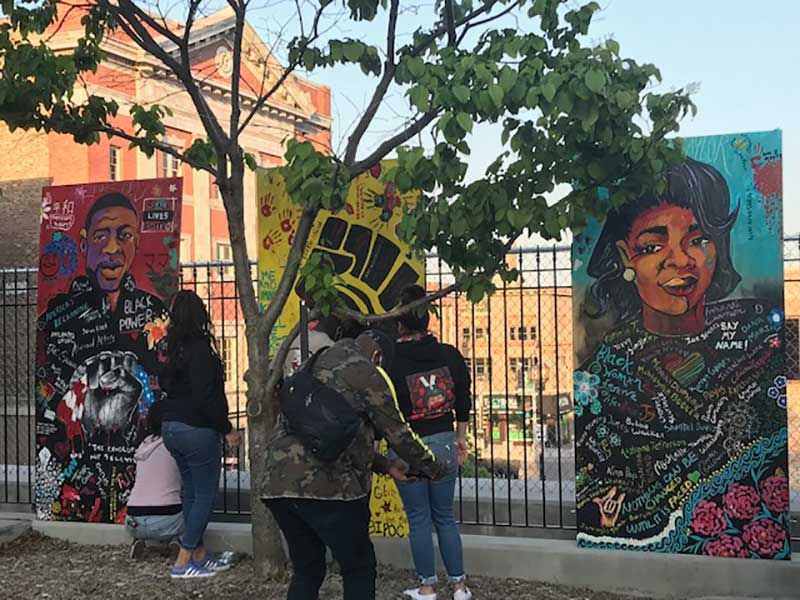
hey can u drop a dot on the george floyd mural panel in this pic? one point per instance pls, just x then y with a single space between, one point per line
680 387
108 264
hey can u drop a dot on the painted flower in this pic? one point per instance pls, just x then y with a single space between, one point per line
777 391
776 318
765 537
155 330
727 546
586 387
775 493
741 501
707 519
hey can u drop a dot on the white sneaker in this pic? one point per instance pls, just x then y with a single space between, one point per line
415 595
464 594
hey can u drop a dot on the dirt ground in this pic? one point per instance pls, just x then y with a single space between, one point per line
34 567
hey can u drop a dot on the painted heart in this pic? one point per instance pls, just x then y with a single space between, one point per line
686 370
694 476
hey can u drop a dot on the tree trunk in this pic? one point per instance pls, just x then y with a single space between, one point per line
268 553
270 560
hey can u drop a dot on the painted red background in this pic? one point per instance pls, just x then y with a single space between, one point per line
69 204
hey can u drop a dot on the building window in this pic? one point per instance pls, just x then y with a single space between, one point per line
114 163
483 367
213 192
522 334
479 333
228 355
465 333
512 333
224 253
170 165
532 332
791 335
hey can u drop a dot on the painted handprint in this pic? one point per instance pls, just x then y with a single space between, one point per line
610 506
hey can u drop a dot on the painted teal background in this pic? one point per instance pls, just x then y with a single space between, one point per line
756 238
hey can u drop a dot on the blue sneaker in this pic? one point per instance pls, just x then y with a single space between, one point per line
218 562
191 571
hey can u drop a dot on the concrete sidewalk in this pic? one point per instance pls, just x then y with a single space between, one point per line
14 525
668 576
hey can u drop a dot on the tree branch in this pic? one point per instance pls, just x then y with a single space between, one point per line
387 146
286 283
449 21
288 70
361 318
165 148
380 91
236 101
129 20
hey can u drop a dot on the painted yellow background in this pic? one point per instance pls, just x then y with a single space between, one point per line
371 203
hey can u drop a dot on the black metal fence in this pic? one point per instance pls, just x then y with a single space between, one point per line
518 343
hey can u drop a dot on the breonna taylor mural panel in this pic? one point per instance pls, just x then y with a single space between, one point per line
108 262
680 389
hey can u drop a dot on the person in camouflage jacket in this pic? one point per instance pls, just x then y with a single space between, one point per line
317 504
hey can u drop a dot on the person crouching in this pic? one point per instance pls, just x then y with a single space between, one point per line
154 506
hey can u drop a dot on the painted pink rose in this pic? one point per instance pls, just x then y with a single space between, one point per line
775 493
707 519
765 537
727 546
741 501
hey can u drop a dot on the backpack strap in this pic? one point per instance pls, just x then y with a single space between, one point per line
313 359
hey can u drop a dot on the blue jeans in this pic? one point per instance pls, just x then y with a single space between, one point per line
161 528
198 453
428 505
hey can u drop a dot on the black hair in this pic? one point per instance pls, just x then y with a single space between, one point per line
385 342
419 319
109 200
154 418
188 320
331 326
693 185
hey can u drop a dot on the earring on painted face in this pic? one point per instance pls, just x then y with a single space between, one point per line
629 275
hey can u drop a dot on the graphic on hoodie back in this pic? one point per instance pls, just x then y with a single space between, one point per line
432 394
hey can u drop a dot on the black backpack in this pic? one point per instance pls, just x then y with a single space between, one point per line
319 416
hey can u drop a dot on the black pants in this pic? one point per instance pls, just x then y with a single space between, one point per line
311 525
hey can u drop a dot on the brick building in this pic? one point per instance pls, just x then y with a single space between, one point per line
300 109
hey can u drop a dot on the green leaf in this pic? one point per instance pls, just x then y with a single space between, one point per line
461 92
532 98
496 93
416 67
464 121
549 91
596 171
353 51
595 80
565 101
419 97
624 99
508 77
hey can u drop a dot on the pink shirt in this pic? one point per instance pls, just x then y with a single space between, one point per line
158 481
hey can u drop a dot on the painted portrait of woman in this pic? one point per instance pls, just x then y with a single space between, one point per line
680 392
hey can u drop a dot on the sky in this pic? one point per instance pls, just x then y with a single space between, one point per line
741 55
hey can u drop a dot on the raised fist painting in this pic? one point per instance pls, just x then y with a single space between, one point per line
361 241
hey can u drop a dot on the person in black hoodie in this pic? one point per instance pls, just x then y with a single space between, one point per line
195 421
433 390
